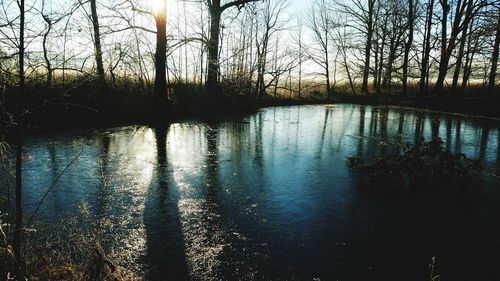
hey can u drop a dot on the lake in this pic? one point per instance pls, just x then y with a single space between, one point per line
268 196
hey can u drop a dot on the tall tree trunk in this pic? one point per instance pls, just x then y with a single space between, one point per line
444 58
212 86
376 62
494 60
461 48
469 56
327 68
381 59
300 63
458 65
368 47
427 48
97 43
408 45
160 86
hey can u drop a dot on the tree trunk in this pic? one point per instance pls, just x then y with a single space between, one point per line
427 49
461 48
212 86
381 59
494 60
444 58
408 44
368 47
45 52
97 43
448 45
300 64
469 56
160 86
460 56
327 69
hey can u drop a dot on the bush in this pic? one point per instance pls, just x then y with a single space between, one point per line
422 165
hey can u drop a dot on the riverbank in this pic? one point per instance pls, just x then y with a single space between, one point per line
94 108
139 110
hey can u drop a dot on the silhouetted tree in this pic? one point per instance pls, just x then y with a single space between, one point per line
160 86
494 57
216 8
97 43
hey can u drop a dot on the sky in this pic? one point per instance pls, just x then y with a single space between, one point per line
79 39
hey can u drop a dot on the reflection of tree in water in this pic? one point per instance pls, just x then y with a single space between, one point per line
103 199
458 136
328 113
449 126
485 133
435 124
165 254
401 125
384 118
259 147
498 151
55 170
374 121
419 127
361 130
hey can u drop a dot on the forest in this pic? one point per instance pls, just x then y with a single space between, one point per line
180 51
131 79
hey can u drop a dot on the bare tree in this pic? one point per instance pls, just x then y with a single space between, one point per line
462 16
410 24
216 8
320 23
97 43
271 13
341 39
160 86
424 73
494 58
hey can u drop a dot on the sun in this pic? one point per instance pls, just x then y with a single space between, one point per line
156 6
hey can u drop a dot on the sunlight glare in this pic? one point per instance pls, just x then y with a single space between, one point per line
156 5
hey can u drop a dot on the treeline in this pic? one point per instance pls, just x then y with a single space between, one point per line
254 47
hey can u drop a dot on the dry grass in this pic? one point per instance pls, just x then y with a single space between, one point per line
74 252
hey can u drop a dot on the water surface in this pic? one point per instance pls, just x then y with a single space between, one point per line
269 196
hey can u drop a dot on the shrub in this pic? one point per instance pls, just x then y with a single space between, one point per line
423 165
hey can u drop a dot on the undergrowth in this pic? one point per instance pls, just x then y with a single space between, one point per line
423 165
70 251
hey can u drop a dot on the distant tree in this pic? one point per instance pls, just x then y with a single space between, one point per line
270 14
321 23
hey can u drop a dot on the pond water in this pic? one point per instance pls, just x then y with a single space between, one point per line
268 196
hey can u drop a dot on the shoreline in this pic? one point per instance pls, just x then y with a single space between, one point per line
111 112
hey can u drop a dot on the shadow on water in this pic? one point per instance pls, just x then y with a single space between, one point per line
268 196
165 252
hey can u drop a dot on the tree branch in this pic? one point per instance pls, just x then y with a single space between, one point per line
236 3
